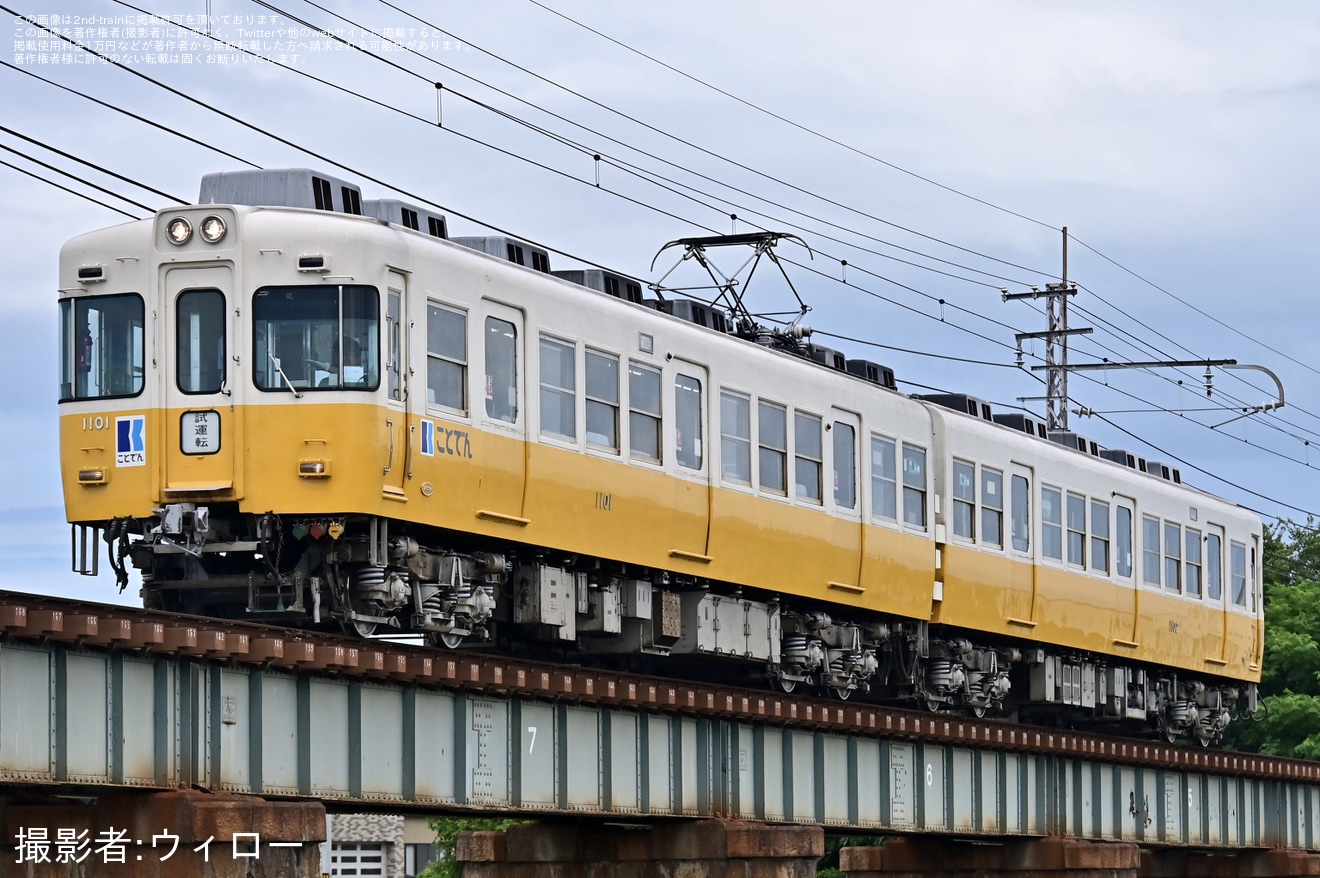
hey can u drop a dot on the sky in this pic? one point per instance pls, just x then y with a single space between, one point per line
938 148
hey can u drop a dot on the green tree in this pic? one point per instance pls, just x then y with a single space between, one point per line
446 831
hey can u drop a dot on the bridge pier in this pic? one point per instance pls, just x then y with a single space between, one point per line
161 835
1025 858
697 849
1237 864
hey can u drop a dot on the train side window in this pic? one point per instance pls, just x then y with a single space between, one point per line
992 507
1150 550
1021 510
200 336
1077 530
1237 570
602 400
884 482
736 437
644 412
772 436
1193 548
446 357
964 499
1099 536
501 370
1214 572
558 381
1123 534
317 338
1051 523
807 456
1172 556
101 347
914 486
845 466
687 421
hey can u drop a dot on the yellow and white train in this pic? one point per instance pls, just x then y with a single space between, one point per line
280 408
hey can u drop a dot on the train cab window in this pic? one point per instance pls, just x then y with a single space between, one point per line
964 500
807 457
316 338
1021 509
1150 550
501 370
736 437
884 483
1099 536
687 421
992 507
101 347
1237 571
602 400
1214 572
200 341
558 380
914 486
644 412
1123 536
1172 556
1193 562
446 357
1077 530
1051 523
845 466
772 436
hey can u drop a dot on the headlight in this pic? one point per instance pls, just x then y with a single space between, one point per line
213 229
178 230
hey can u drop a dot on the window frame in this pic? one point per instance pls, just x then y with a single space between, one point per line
916 486
1051 523
448 359
1099 542
1193 568
693 457
1020 512
370 353
802 459
891 480
496 411
776 453
74 352
962 497
653 419
596 403
179 346
1173 539
557 391
730 440
845 452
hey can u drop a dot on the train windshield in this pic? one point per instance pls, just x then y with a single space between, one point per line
101 347
316 338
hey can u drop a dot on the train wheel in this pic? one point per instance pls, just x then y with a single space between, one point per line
979 711
449 640
360 627
786 685
843 693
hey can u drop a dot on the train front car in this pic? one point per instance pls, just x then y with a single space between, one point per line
234 420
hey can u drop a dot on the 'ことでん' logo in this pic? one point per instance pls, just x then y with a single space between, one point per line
130 441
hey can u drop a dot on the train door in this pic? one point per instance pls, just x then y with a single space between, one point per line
1127 593
202 429
1021 547
690 531
842 482
1212 555
500 408
398 465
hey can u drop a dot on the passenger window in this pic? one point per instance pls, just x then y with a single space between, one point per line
446 357
687 421
1021 514
602 400
644 412
316 338
884 487
1193 546
845 466
558 381
1172 556
1237 560
772 421
200 333
501 370
964 499
1099 536
1077 530
1051 523
807 457
914 486
736 437
1150 550
1214 561
1123 533
992 507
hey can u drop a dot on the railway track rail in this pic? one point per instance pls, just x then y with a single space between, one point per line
95 626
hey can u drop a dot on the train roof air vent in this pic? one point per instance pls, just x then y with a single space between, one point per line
1021 421
828 357
1164 471
695 312
1118 455
511 249
873 372
1075 441
607 282
960 402
401 213
281 187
